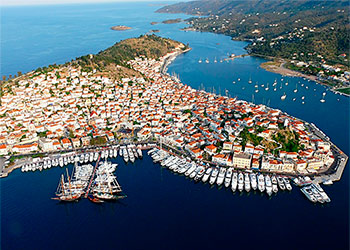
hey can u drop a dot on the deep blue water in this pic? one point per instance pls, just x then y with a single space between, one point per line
163 210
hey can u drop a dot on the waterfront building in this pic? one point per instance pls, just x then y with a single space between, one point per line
242 160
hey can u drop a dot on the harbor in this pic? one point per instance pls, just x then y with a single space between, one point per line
235 179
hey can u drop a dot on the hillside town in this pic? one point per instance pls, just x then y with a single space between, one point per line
68 109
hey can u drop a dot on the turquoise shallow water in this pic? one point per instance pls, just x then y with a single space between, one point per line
164 210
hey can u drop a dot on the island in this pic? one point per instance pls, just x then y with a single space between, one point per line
123 95
311 38
120 28
170 21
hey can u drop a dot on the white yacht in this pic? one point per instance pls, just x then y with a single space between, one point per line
281 183
274 184
261 183
213 176
268 185
234 182
200 173
221 176
207 174
287 183
240 182
190 170
228 177
246 182
253 181
195 172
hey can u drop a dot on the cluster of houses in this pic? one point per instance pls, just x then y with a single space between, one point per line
67 108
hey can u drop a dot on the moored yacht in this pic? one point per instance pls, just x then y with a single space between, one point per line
234 182
207 174
214 174
240 182
246 182
261 183
221 176
253 181
268 185
228 177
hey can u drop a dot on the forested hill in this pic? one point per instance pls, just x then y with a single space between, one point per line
150 46
303 30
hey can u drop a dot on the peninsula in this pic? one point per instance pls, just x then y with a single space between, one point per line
95 99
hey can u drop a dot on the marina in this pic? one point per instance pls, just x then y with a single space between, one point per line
235 179
156 194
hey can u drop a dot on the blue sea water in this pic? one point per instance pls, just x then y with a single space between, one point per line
163 210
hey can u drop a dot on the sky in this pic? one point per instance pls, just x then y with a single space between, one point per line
36 2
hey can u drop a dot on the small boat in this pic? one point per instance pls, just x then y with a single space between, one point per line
283 97
296 88
95 199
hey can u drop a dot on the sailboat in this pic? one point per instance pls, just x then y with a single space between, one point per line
303 97
286 83
207 60
294 99
281 86
296 88
64 193
256 91
275 89
250 80
267 87
283 97
323 95
200 60
215 61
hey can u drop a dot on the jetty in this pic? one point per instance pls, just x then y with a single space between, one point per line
233 56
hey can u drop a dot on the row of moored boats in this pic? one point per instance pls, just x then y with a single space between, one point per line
228 177
64 160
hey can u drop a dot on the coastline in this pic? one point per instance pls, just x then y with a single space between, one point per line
278 68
